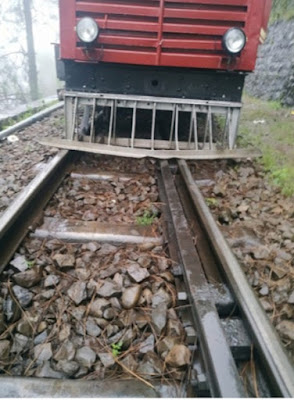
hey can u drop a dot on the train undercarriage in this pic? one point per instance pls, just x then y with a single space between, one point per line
137 111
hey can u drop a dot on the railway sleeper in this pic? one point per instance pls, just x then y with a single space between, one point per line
205 377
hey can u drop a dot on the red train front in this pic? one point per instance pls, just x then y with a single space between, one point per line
161 78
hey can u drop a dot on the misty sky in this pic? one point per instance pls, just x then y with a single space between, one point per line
46 25
46 31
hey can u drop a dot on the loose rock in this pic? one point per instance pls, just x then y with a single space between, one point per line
151 365
161 297
25 328
43 352
291 298
144 261
64 260
109 289
86 357
131 296
20 342
20 263
4 349
24 296
130 362
69 368
147 345
39 339
51 280
92 328
286 329
106 359
65 352
178 356
159 318
65 332
28 278
98 307
137 273
109 313
261 253
107 249
77 292
167 343
45 371
174 328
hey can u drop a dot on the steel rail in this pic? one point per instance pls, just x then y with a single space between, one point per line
222 372
270 351
31 120
19 387
16 220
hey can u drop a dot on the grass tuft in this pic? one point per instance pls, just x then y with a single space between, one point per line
269 126
147 219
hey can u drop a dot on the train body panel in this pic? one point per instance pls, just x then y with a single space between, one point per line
167 33
181 64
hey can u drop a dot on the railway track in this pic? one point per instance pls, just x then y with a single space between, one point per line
232 348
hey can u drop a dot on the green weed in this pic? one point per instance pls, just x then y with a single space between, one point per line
116 348
211 201
147 219
30 264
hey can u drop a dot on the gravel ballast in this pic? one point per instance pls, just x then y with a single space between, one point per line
94 310
90 310
258 223
21 160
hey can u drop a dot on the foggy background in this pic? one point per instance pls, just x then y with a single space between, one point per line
14 80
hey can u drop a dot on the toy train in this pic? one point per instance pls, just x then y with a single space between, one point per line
160 78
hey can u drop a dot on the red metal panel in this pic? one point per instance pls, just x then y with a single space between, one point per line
67 28
212 2
128 41
120 56
165 44
160 32
145 58
266 13
207 15
116 24
255 16
196 29
164 32
118 9
192 44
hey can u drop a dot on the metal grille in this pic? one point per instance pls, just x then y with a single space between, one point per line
192 142
163 32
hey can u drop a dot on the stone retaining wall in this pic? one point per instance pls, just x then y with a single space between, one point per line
273 78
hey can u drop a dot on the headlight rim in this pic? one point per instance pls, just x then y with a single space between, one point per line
87 42
224 38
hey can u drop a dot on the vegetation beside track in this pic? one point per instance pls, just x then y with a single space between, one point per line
282 10
270 127
7 123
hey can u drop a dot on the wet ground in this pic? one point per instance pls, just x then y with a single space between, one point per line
258 222
63 281
20 161
90 311
116 199
95 311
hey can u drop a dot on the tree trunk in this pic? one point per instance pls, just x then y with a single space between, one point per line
33 76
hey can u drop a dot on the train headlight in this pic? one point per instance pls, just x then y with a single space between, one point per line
234 41
87 30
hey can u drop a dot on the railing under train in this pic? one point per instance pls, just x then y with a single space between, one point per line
212 143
